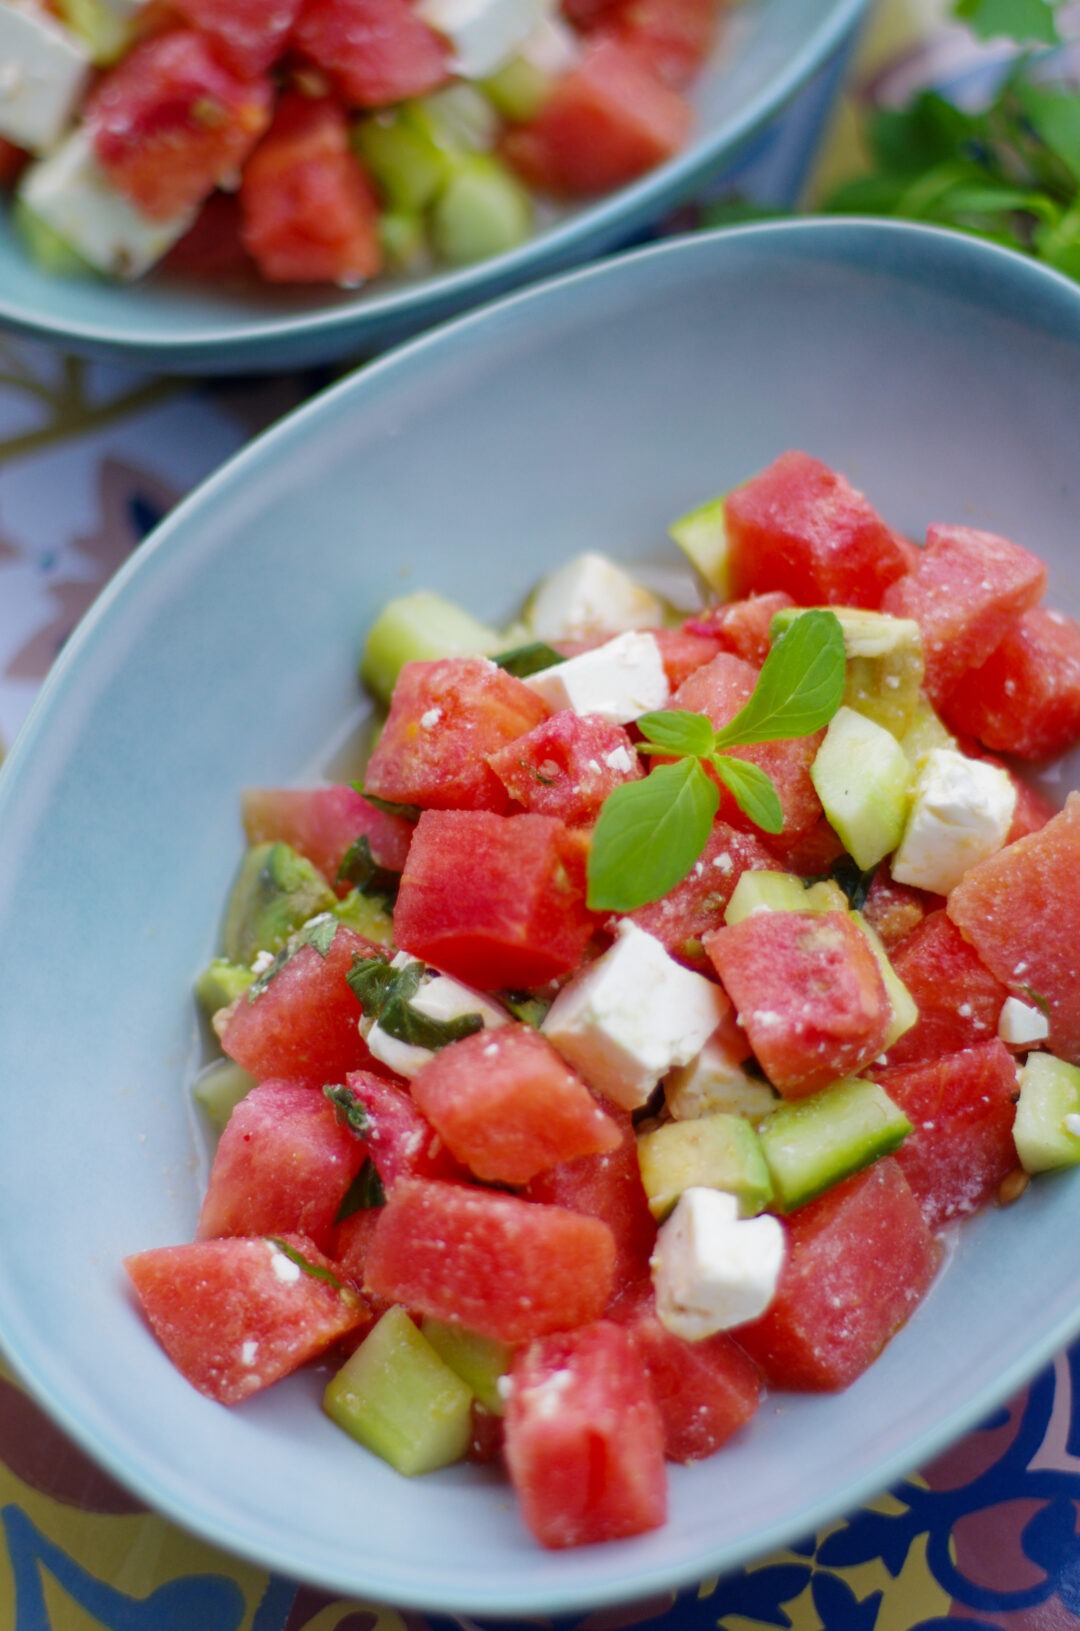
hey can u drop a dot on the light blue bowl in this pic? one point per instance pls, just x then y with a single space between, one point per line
941 374
773 52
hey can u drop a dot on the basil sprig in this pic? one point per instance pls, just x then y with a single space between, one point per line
650 832
386 994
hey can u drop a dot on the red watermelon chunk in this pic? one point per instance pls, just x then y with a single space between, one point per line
283 1165
237 1314
859 1261
605 123
400 1139
608 1187
958 999
961 1107
719 690
682 918
567 765
497 901
1020 909
808 993
742 626
584 1440
894 909
1025 698
670 38
445 718
309 212
506 1267
509 1107
682 651
322 823
303 1022
804 529
171 122
705 1391
964 593
249 35
374 52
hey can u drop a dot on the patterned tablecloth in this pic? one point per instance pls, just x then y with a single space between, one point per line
90 458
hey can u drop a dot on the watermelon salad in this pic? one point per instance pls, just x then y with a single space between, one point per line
328 141
625 1046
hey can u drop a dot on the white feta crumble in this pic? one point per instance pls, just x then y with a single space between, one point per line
714 1082
249 1351
430 719
44 71
619 680
711 1269
628 1017
283 1266
1021 1023
619 759
483 34
961 812
591 596
439 997
263 961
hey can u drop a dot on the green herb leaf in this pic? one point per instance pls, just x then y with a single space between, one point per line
371 979
1054 115
676 730
350 1111
318 932
649 835
365 1192
752 790
407 812
1028 21
402 1021
360 868
800 686
525 660
315 1270
526 1007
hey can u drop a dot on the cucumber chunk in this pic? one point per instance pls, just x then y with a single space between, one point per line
483 210
398 1398
905 1010
715 1152
810 1144
517 90
276 892
367 915
885 664
220 1088
862 777
701 534
407 166
479 1360
1047 1126
418 628
220 983
782 892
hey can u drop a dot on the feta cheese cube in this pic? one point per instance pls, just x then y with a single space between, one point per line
44 71
552 48
1021 1023
619 681
961 812
590 596
714 1082
69 192
483 34
628 1017
711 1269
439 997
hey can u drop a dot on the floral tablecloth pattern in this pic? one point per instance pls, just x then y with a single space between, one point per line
91 457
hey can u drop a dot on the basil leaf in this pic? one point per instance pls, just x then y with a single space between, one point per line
315 1270
371 980
407 812
676 730
525 660
649 835
753 792
1028 21
1055 117
350 1111
800 686
401 1020
365 1192
360 868
317 932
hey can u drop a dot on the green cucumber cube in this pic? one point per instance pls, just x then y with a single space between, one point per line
782 892
701 534
419 628
220 1088
482 210
398 1398
276 891
220 983
479 1360
810 1144
905 1010
1047 1126
863 780
714 1152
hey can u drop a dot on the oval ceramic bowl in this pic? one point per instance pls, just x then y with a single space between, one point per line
942 375
771 49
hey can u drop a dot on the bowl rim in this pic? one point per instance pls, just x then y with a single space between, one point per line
596 226
840 237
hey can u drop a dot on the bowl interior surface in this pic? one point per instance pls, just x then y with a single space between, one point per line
770 48
941 375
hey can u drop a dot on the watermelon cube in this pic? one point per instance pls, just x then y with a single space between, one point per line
446 716
496 901
322 824
693 908
584 1438
509 1107
807 991
567 765
958 998
743 627
1025 698
1020 909
235 1315
399 1138
505 1267
860 1259
283 1165
374 52
965 591
801 528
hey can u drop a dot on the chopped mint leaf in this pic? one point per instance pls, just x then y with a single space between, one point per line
649 834
371 980
522 661
523 1005
386 994
365 1192
360 868
407 812
318 932
315 1270
350 1112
